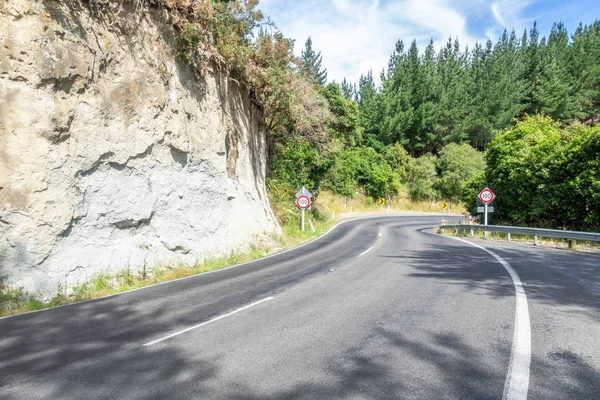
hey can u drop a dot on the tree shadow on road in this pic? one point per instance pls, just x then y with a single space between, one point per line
93 350
459 371
557 279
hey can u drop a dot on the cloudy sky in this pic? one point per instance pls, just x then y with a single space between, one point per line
357 35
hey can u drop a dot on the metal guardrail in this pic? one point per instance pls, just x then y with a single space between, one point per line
535 232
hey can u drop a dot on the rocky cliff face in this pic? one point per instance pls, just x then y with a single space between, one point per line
113 153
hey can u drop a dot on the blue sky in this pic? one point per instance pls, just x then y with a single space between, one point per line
357 35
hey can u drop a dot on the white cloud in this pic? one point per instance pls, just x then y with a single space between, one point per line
510 14
497 15
357 35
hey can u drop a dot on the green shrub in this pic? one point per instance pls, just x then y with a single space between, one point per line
362 168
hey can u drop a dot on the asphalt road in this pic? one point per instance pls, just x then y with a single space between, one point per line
376 309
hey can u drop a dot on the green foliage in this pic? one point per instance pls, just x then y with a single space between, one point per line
189 39
345 113
427 100
399 159
298 164
470 190
576 180
311 65
543 176
347 90
361 167
422 177
458 164
369 104
519 162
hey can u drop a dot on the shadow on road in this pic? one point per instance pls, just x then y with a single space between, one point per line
554 278
63 356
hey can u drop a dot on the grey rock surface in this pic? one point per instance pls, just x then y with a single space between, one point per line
115 154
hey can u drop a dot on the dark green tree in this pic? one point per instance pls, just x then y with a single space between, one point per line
556 87
370 111
345 112
347 90
311 64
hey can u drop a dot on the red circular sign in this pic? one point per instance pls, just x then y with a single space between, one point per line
486 196
303 202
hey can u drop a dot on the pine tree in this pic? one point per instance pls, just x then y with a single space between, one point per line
347 90
396 97
311 64
370 111
452 73
585 53
531 56
556 90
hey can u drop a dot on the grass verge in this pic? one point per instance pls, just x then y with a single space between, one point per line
16 301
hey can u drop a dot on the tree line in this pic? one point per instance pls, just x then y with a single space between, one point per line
426 100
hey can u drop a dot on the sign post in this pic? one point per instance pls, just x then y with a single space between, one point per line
303 202
486 196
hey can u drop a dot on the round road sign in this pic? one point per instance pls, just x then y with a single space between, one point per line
486 196
303 202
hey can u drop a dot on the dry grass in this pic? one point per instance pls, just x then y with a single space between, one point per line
362 203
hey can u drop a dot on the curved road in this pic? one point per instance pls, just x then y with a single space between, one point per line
376 309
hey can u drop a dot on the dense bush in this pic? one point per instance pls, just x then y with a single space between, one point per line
422 177
543 176
576 180
457 163
519 162
365 168
298 164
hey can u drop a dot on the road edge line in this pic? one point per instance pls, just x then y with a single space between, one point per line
516 384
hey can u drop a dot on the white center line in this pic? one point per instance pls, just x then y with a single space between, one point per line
366 251
516 385
379 234
207 322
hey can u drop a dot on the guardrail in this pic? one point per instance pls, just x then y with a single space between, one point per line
571 236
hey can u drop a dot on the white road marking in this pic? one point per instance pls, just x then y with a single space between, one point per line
366 251
207 322
517 379
379 234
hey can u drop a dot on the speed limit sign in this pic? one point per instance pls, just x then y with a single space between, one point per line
303 202
486 196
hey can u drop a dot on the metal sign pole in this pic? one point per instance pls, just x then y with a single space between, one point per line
485 212
303 220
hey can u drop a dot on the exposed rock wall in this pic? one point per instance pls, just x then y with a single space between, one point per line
112 152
